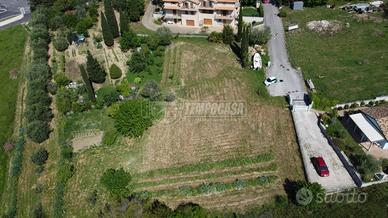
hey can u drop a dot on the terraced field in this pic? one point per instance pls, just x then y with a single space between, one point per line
220 162
204 159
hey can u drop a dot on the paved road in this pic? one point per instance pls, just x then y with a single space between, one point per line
280 65
13 8
313 143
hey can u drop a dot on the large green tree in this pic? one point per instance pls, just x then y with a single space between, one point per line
111 18
106 31
96 73
134 117
124 21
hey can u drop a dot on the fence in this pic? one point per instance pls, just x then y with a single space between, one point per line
375 100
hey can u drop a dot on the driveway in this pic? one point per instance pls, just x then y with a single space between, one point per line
13 9
280 65
313 143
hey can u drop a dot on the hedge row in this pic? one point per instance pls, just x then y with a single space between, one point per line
16 169
38 112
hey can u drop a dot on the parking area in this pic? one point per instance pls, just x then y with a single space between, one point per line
312 144
11 8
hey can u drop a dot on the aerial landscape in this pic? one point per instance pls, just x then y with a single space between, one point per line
193 108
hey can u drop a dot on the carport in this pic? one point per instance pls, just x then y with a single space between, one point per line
366 130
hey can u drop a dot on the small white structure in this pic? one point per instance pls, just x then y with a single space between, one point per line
257 62
293 27
376 4
299 102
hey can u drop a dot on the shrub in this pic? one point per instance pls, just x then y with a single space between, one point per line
259 36
129 40
83 25
366 165
61 79
354 105
106 96
115 72
164 35
38 131
170 97
346 106
60 43
362 103
38 211
40 156
116 182
371 103
151 90
282 13
227 34
215 37
313 3
134 117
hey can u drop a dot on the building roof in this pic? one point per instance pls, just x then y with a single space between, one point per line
369 131
171 7
380 114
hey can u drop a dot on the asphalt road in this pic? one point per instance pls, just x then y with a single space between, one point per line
13 8
280 65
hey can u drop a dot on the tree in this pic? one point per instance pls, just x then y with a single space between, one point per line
134 117
140 60
38 131
245 46
135 9
60 43
385 8
111 18
87 82
106 31
124 21
240 25
227 34
129 40
164 35
116 182
96 73
40 156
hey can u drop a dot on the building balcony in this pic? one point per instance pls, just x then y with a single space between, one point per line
224 17
184 8
170 7
172 16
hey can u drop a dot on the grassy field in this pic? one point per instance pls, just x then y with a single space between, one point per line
12 43
349 65
218 163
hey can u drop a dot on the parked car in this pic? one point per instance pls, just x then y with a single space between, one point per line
270 80
321 167
170 22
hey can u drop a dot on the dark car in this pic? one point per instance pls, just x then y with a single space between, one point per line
321 167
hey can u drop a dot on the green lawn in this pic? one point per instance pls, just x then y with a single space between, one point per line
350 65
12 42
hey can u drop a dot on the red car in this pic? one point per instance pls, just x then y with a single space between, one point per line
321 167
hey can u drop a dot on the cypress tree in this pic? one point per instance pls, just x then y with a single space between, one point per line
240 25
123 23
96 73
88 83
245 46
111 18
106 32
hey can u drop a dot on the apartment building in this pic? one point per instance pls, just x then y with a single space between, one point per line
200 13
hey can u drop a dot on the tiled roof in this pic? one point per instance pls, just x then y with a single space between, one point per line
380 114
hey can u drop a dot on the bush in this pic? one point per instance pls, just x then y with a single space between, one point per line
115 72
40 156
164 35
129 40
60 43
313 3
134 117
215 37
83 25
95 71
106 96
259 36
366 165
151 90
116 182
170 97
282 13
